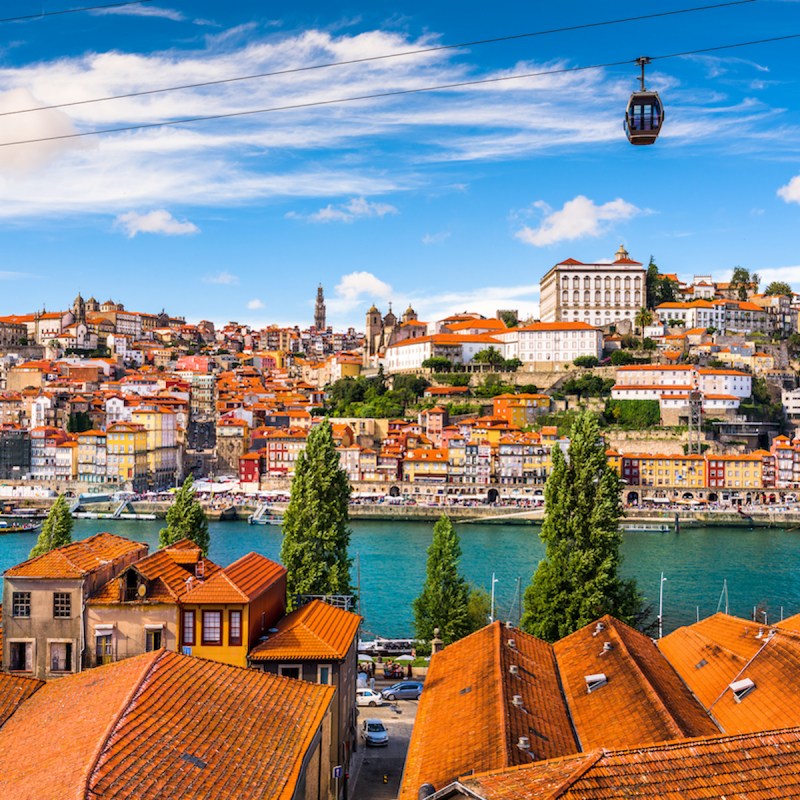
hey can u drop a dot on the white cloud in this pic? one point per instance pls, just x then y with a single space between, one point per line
435 238
578 218
791 192
222 279
255 304
357 208
9 275
356 284
159 221
141 11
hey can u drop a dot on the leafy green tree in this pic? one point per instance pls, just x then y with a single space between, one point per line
620 358
489 355
78 422
186 519
586 361
479 606
315 532
438 364
643 318
511 364
510 318
779 287
658 288
743 282
56 529
444 599
634 414
578 580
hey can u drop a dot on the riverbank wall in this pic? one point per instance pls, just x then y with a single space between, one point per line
484 514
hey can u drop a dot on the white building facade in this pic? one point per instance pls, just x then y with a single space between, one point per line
552 342
597 294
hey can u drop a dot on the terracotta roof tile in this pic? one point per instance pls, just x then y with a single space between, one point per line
657 705
77 559
14 691
761 765
145 728
467 719
254 573
314 631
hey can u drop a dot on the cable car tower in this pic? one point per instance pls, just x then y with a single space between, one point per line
645 113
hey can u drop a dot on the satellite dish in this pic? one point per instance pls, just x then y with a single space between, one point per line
142 590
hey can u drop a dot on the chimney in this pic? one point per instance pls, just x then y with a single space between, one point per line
437 645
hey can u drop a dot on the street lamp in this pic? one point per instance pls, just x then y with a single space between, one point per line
661 606
491 611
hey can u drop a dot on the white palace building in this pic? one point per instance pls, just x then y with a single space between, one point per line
597 294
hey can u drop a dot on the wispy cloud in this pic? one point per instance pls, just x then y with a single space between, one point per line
222 279
357 208
141 11
255 304
577 219
436 238
10 275
159 221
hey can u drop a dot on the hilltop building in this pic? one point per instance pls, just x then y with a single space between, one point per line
382 332
319 310
597 294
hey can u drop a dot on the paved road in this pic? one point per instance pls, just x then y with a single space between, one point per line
372 763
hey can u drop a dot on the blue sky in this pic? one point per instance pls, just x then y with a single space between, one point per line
452 200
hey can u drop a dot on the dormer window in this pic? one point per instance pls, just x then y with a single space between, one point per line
741 689
595 681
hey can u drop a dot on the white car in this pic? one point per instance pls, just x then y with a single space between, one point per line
374 732
368 697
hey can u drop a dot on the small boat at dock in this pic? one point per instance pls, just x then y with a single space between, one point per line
18 527
645 527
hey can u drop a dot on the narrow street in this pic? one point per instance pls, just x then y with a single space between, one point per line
371 764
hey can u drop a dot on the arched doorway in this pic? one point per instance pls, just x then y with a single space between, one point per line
633 499
394 491
492 496
712 497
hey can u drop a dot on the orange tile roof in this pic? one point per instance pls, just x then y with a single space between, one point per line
317 631
77 559
242 581
14 691
467 719
761 765
658 706
144 728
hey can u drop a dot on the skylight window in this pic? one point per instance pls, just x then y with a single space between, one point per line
595 681
741 689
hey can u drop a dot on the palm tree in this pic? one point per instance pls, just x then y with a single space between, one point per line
642 319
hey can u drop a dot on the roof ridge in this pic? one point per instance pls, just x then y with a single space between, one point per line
117 718
502 699
650 690
591 759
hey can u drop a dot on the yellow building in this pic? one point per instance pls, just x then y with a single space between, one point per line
426 466
162 449
126 446
670 470
224 617
742 471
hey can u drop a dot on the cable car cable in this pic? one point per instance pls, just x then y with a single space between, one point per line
382 95
367 59
42 14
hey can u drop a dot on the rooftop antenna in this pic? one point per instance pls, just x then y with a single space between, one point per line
661 606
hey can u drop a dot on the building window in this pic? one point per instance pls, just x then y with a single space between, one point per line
103 648
21 604
60 656
212 627
62 605
188 628
21 656
324 674
235 628
153 639
290 671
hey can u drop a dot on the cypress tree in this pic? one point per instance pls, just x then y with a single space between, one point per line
186 519
315 532
56 529
443 603
578 580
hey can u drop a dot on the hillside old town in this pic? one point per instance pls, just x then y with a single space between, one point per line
158 673
695 384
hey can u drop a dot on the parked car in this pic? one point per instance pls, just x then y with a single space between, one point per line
374 732
405 690
368 697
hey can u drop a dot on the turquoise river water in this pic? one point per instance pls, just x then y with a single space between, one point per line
762 566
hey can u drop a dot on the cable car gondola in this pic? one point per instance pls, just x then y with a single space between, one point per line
645 114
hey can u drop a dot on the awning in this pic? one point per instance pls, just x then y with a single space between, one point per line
103 630
154 626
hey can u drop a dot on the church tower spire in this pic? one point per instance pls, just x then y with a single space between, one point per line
319 310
